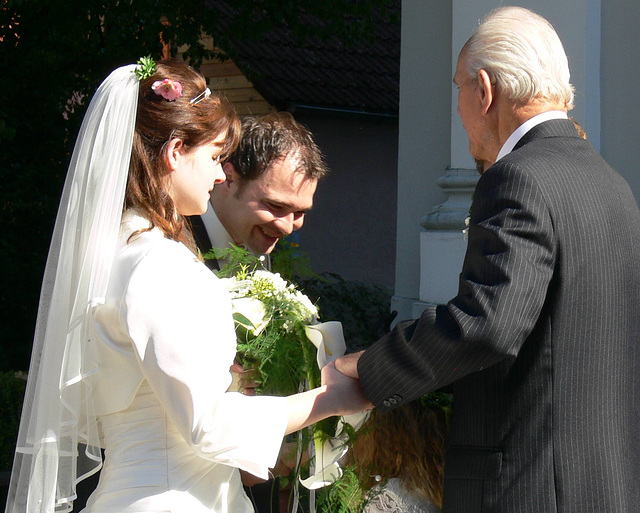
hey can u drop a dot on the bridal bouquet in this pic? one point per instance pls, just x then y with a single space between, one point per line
272 318
279 335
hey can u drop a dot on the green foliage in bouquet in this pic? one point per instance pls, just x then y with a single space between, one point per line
238 260
291 262
271 338
344 496
277 342
270 315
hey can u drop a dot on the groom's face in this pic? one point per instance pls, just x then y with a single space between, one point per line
258 213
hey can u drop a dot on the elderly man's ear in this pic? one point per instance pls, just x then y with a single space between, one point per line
486 90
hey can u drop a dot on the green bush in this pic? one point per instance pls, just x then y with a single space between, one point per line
362 308
12 387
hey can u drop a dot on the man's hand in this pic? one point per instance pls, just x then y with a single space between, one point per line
348 364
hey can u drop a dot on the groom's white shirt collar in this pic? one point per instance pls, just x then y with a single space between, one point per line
218 234
519 132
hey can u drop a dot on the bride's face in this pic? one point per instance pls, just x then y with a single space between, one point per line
194 173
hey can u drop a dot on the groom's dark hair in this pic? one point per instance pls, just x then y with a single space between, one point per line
268 138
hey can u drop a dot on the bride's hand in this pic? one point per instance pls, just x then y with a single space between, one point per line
246 378
338 395
344 391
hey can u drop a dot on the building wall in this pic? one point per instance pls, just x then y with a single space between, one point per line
351 230
425 126
620 99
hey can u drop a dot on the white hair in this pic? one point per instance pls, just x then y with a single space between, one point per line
522 54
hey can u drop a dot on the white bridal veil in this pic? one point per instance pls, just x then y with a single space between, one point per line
58 408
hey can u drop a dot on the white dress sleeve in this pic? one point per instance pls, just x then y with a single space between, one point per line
178 315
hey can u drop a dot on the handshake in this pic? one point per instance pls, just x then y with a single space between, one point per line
341 379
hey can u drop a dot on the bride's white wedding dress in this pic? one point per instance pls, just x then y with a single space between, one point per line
174 438
149 467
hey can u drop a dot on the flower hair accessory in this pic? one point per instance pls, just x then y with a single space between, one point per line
146 69
169 89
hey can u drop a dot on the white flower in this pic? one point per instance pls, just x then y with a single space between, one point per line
274 279
467 222
237 288
274 285
306 303
250 314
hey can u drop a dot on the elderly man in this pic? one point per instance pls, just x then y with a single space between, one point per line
271 181
542 342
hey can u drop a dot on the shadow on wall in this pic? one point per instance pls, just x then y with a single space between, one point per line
351 230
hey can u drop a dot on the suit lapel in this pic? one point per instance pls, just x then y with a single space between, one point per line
202 241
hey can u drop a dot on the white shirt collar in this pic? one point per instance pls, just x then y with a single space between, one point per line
217 233
519 132
219 236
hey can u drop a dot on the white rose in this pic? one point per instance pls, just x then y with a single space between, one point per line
250 315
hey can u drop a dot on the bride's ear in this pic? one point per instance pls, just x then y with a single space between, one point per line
173 153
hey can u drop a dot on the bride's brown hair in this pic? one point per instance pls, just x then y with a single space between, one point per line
159 121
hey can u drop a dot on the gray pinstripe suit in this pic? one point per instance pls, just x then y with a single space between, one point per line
542 341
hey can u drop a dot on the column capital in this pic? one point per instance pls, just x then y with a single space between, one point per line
458 184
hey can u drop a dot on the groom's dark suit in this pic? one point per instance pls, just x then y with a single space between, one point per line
542 341
203 242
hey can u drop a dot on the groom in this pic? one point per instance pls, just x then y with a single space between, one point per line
270 182
542 342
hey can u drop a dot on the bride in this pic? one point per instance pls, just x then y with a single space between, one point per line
135 338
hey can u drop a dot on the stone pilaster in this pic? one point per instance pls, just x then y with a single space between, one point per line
443 244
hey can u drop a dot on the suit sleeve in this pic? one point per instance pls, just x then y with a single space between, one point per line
503 286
